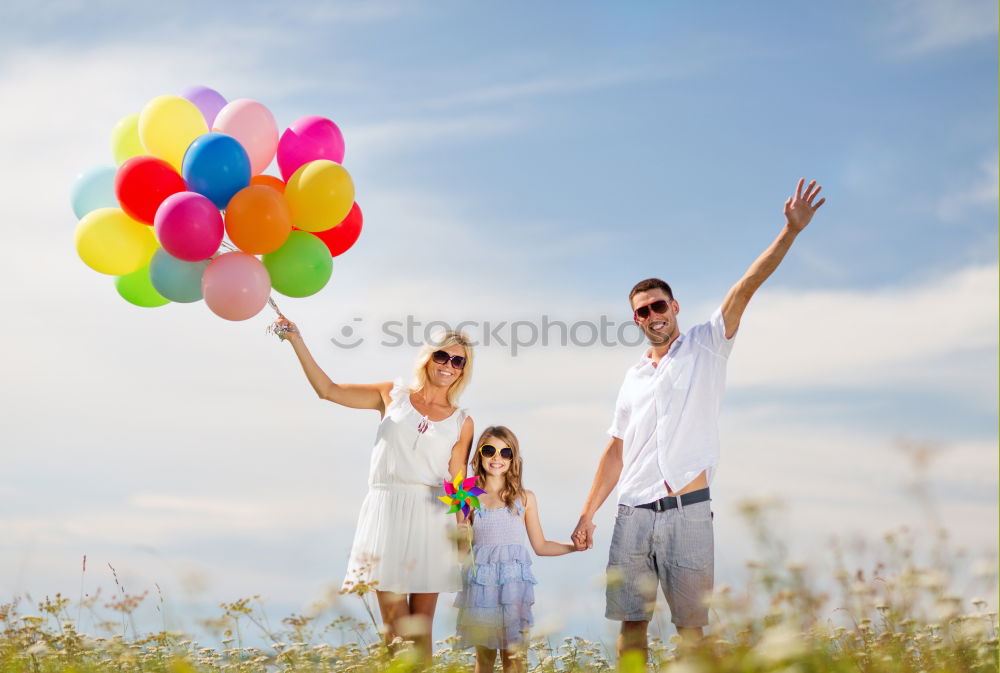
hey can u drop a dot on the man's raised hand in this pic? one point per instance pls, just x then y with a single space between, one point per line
799 208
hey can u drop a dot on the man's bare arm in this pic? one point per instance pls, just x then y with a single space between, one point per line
799 209
609 469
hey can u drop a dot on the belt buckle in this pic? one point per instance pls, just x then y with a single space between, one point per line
658 505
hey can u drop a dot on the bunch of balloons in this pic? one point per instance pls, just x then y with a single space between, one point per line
187 212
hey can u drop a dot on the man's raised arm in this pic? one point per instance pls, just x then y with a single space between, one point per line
799 209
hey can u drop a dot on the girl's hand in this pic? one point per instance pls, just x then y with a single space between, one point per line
286 329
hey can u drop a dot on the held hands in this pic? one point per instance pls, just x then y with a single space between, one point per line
583 535
799 208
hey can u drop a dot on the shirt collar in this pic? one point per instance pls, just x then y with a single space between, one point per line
646 361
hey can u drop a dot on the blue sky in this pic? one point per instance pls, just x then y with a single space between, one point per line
514 161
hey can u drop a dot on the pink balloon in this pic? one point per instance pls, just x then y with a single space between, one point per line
189 226
236 285
254 127
306 140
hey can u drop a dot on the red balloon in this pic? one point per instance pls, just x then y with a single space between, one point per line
340 238
141 185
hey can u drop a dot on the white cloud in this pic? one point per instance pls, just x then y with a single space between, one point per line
927 26
900 336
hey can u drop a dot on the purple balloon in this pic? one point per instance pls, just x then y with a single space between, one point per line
209 101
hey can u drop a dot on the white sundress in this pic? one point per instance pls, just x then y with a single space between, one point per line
403 541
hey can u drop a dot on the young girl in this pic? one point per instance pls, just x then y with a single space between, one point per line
497 592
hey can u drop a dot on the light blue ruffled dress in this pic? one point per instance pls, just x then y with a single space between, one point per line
494 606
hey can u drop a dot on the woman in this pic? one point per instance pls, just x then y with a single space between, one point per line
404 534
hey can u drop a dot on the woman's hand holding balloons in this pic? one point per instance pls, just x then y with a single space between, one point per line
286 329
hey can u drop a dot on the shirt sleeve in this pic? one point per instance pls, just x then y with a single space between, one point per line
712 334
619 423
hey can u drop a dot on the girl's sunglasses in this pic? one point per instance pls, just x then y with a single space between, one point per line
441 357
488 451
658 306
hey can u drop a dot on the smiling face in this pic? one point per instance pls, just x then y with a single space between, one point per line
659 328
496 465
490 470
445 375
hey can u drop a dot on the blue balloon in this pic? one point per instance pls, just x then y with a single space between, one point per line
93 189
176 279
216 166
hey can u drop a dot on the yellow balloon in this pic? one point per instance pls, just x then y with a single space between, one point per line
111 242
167 125
319 194
125 142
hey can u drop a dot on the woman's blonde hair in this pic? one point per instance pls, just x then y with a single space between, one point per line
512 488
440 341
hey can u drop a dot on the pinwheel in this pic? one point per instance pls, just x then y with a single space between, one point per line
461 494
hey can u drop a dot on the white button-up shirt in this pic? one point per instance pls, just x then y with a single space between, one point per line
667 415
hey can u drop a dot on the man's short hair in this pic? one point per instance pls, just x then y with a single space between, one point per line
650 284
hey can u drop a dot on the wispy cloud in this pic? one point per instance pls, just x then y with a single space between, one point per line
928 26
980 194
552 85
345 12
376 140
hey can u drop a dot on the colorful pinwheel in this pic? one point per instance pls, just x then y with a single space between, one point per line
461 494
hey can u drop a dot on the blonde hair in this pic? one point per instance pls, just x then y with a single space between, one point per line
440 341
512 487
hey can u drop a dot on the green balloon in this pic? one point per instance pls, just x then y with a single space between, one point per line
136 288
301 267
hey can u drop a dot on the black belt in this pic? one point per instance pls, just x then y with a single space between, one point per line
670 501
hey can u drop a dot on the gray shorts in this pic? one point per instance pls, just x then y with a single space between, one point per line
675 549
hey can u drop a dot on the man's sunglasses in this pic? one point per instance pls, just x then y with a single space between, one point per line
441 357
658 306
488 451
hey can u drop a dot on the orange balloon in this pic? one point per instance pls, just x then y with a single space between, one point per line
258 220
268 181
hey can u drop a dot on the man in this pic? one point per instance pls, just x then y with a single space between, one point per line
664 449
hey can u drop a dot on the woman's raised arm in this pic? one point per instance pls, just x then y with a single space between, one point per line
353 395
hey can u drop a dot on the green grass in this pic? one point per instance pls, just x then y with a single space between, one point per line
893 615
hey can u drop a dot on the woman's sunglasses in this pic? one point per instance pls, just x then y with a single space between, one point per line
488 451
441 357
658 306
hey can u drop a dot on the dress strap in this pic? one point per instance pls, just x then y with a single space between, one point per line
399 391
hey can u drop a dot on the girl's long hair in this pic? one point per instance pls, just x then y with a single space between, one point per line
440 341
512 488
